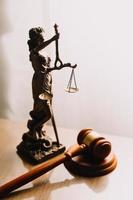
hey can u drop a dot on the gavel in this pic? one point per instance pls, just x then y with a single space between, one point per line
88 141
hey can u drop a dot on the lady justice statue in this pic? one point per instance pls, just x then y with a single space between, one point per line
36 146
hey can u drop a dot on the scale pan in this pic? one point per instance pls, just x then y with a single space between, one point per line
72 90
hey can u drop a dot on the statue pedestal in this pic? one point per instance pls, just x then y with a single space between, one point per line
36 152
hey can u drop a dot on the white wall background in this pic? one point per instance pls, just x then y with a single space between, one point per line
16 18
98 36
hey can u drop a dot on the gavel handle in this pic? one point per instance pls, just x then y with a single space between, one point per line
40 170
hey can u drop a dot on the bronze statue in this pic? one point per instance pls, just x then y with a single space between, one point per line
36 144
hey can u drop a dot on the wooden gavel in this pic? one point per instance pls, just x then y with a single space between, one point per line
88 140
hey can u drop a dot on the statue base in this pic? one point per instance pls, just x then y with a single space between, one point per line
37 153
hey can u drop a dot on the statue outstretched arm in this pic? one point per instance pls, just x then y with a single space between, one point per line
61 66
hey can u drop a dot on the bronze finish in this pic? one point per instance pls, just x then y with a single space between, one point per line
36 145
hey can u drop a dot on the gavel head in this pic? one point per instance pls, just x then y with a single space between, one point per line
97 146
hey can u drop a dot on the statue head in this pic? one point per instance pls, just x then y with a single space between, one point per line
36 37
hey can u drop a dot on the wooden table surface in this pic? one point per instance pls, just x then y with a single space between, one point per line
59 184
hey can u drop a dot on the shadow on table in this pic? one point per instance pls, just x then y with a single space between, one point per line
45 188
